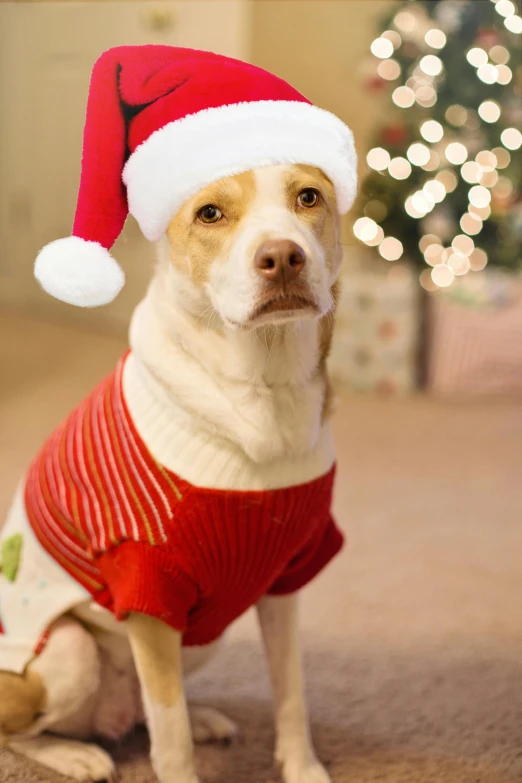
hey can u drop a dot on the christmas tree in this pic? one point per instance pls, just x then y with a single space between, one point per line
443 188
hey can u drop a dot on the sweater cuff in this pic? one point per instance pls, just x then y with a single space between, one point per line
306 567
145 579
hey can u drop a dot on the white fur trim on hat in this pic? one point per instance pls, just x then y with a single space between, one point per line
78 272
184 156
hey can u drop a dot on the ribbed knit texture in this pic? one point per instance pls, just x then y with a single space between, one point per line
140 538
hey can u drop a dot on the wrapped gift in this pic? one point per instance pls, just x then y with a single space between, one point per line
376 332
475 336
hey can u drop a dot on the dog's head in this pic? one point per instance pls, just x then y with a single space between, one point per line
259 247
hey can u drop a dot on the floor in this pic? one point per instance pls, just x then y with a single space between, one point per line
413 637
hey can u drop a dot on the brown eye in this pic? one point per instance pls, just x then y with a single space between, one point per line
308 198
210 214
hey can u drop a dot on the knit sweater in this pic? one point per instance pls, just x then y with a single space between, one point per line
138 537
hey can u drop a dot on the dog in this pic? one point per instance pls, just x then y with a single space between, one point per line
233 334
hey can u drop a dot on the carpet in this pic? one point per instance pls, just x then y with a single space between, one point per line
412 637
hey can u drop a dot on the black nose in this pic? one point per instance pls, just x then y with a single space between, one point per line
279 260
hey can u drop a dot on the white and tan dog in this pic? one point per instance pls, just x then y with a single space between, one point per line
238 321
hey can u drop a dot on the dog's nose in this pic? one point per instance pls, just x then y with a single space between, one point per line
279 260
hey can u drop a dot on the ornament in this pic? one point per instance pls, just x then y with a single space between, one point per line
487 37
375 84
395 135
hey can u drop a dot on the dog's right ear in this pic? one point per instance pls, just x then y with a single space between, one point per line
22 697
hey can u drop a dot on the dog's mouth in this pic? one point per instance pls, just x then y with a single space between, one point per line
284 303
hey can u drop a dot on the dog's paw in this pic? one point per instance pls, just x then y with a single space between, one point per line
314 772
209 725
79 760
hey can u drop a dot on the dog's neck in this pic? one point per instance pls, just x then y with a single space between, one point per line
261 389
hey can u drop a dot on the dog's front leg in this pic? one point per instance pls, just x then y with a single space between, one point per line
294 751
157 654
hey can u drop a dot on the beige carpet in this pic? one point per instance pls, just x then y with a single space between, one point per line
413 637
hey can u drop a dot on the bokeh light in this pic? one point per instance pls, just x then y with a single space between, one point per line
456 115
442 275
478 259
435 190
391 249
488 73
502 156
426 281
479 196
471 224
511 138
435 38
431 130
426 96
418 154
489 178
404 97
433 162
394 37
389 69
427 240
448 178
431 65
382 47
404 21
514 24
499 54
486 160
365 229
471 172
456 153
399 168
378 158
505 8
375 209
463 245
477 57
433 254
489 111
504 74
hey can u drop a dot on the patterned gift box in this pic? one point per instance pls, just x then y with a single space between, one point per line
475 336
376 332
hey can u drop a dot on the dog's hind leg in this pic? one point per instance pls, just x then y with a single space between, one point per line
57 692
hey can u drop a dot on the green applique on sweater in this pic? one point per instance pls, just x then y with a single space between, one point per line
10 555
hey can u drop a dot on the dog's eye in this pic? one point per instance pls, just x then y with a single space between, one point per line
210 214
308 198
38 715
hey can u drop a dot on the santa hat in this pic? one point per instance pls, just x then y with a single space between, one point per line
162 123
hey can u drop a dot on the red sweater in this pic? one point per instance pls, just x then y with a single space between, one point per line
139 538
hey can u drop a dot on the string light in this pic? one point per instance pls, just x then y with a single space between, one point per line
389 69
511 138
442 275
418 154
502 156
382 47
487 73
514 24
456 153
399 168
489 111
456 115
378 159
504 74
471 224
391 249
479 196
435 38
477 57
404 97
431 130
478 260
431 65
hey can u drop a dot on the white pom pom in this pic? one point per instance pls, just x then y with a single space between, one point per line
78 272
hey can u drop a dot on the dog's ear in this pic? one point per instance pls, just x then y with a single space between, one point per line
23 700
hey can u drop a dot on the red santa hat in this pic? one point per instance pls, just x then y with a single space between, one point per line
162 123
